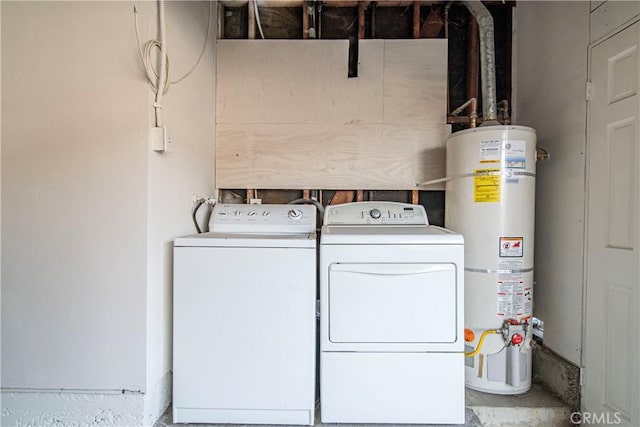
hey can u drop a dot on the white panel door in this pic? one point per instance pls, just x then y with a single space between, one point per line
611 360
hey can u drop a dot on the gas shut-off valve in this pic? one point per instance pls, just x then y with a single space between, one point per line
514 332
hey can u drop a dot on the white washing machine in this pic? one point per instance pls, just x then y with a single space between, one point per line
391 320
245 318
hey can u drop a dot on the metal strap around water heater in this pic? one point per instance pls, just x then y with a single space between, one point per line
492 271
509 174
519 173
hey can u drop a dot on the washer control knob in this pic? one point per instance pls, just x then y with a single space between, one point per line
237 213
266 213
375 213
252 213
295 214
223 213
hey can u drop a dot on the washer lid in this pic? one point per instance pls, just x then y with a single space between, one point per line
262 240
396 235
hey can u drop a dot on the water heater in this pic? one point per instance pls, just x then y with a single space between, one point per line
490 196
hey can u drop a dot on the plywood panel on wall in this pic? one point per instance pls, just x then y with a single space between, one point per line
289 117
337 156
415 81
293 81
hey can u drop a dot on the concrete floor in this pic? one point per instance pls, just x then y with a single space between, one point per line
471 420
537 408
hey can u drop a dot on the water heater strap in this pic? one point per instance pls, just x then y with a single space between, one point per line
519 173
510 173
492 271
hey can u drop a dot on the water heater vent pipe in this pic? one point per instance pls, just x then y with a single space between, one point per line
487 59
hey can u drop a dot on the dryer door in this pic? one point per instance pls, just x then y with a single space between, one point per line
392 303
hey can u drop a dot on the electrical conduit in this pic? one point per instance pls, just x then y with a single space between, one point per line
162 76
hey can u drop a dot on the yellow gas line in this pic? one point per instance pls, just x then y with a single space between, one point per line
480 342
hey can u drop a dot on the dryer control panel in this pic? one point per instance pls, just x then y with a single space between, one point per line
237 218
375 213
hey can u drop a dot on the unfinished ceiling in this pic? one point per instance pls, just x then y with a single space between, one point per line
354 21
335 19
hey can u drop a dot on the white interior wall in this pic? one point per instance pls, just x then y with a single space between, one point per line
174 177
88 210
74 205
0 191
550 73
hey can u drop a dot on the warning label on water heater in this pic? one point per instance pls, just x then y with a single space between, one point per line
490 151
511 247
486 185
514 295
515 299
510 298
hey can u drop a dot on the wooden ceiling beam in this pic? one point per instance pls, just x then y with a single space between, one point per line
328 3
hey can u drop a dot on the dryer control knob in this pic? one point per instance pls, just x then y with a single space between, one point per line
375 213
295 214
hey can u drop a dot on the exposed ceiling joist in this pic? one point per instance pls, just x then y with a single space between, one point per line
328 3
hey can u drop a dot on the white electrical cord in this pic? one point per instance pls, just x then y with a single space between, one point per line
204 46
255 8
153 78
152 75
162 78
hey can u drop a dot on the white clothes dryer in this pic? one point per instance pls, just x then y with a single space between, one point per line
391 316
244 324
